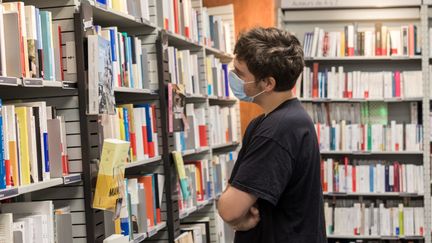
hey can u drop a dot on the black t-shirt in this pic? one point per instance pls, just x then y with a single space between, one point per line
279 163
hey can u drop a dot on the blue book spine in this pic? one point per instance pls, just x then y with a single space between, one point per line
129 61
225 70
46 152
126 124
183 141
104 2
48 53
38 30
2 161
149 122
371 178
332 138
113 39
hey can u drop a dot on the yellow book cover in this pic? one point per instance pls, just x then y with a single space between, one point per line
209 76
116 5
109 184
121 123
342 44
24 153
178 161
132 135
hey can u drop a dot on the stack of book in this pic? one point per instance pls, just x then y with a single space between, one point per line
368 220
194 181
183 69
30 43
136 124
223 125
334 83
217 78
364 127
217 32
371 177
33 144
194 135
222 167
180 17
363 41
136 8
35 222
141 207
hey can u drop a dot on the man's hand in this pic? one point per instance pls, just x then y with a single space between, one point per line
249 221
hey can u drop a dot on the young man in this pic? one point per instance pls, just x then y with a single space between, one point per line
274 193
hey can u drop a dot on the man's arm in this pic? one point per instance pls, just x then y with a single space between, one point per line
236 208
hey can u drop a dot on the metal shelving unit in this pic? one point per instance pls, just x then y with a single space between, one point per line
302 16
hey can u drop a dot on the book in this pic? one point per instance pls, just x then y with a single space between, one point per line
351 40
49 65
111 171
101 79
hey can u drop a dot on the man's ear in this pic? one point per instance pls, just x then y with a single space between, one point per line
270 84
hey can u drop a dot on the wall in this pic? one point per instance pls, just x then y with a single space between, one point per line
248 14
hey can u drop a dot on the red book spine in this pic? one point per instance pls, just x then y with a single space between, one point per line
65 164
397 84
145 140
61 53
396 177
315 80
133 144
151 149
203 135
323 183
8 169
411 40
176 17
354 179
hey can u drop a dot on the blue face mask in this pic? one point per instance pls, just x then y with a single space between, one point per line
237 87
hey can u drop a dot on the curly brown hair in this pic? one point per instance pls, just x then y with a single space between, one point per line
271 52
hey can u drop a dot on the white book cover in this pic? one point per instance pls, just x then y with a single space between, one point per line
18 232
2 45
33 147
23 209
315 42
138 132
409 221
40 228
320 43
6 227
28 228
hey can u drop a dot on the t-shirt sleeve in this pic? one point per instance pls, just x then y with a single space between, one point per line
264 170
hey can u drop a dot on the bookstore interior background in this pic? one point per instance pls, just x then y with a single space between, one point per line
118 125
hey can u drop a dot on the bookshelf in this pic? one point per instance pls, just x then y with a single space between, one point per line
300 17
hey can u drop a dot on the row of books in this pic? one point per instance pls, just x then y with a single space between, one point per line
184 70
223 165
195 134
353 40
343 176
33 144
25 222
217 77
136 124
201 180
334 83
30 43
195 230
180 17
140 9
369 137
223 125
115 59
141 207
356 113
217 32
363 220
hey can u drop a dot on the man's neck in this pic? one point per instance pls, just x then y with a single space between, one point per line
274 100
